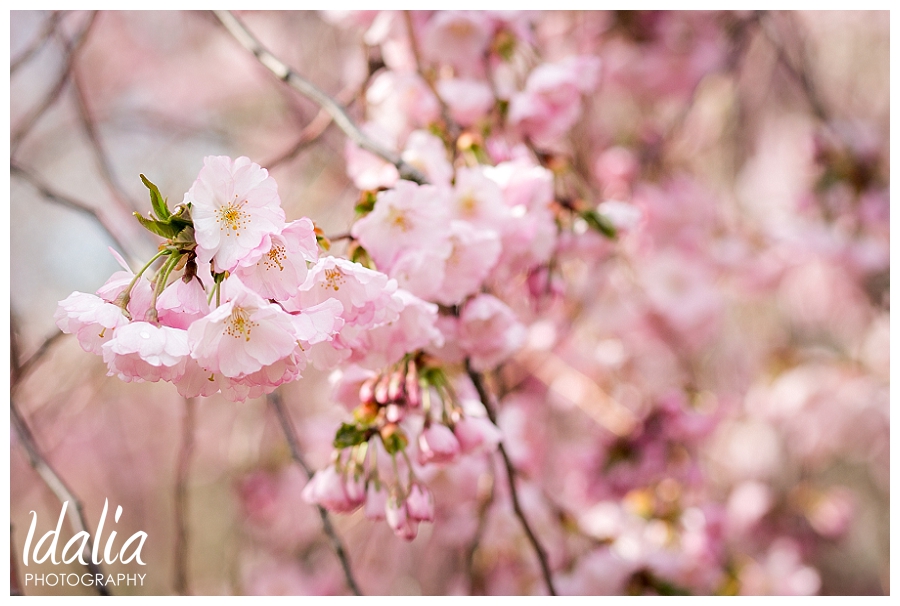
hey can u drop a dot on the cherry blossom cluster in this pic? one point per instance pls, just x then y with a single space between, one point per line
242 301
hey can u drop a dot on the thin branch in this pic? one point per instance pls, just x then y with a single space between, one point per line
336 543
315 94
38 43
312 131
21 371
29 121
63 200
58 487
541 553
100 156
452 128
181 502
800 74
15 588
483 510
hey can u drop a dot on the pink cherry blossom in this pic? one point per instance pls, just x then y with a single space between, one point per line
283 265
91 319
234 206
489 331
181 303
408 216
468 100
420 504
473 255
387 343
551 101
140 351
458 38
242 335
426 152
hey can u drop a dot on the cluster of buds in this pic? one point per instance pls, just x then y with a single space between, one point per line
375 461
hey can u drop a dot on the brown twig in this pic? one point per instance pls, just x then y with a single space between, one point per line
483 510
799 73
63 200
100 156
30 120
22 370
541 553
315 94
58 487
336 544
38 43
452 128
312 131
181 502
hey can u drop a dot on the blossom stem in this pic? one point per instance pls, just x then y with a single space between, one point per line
126 294
162 278
480 387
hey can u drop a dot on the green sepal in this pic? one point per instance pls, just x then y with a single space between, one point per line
599 222
395 442
156 200
160 228
349 435
366 203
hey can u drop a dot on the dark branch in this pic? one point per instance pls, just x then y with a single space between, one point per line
63 200
336 543
541 553
46 33
315 94
312 131
58 487
30 120
100 156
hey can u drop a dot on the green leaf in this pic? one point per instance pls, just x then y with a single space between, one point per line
160 228
156 200
349 435
599 222
395 442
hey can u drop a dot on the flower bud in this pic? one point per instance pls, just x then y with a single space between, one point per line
381 389
393 413
327 488
367 390
395 391
376 501
420 504
437 444
397 517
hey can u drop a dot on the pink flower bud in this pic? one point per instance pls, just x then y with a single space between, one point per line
420 504
393 413
367 390
477 434
397 517
376 501
394 387
356 490
381 389
326 488
437 444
